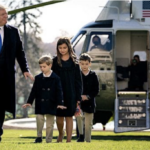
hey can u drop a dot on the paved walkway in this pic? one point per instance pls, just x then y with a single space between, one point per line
30 123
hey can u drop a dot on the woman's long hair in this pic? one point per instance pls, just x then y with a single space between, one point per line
66 41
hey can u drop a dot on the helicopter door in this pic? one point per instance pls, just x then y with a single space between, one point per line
132 102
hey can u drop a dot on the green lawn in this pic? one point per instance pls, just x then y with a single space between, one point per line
23 140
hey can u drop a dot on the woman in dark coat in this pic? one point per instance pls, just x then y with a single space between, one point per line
66 67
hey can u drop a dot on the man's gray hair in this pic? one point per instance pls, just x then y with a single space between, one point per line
2 7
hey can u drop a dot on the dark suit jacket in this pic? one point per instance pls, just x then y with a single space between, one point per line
90 88
12 50
47 93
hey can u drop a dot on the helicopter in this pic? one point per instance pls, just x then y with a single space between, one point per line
123 28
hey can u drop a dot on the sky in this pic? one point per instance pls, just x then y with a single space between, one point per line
67 16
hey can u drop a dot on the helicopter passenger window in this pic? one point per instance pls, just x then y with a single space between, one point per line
100 46
78 42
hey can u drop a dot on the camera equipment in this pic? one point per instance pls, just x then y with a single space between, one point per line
134 61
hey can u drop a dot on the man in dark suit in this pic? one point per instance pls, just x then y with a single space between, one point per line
10 50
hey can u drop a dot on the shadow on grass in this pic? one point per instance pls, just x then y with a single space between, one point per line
34 137
109 137
121 137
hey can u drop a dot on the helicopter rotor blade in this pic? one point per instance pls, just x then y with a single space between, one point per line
34 6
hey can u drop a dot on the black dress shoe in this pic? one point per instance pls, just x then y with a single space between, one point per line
38 140
81 138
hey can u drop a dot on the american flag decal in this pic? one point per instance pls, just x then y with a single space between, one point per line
146 9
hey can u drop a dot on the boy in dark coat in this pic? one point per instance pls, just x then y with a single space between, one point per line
90 90
47 92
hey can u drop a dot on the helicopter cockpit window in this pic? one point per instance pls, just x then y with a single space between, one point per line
101 41
100 46
78 41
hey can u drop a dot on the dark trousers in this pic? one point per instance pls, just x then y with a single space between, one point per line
77 130
2 96
2 118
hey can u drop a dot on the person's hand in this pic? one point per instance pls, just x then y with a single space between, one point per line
78 103
61 107
78 111
84 97
26 105
28 74
131 62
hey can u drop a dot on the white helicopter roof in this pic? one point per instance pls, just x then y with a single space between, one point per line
125 15
129 25
116 25
119 10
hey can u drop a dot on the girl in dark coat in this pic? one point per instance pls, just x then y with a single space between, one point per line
66 67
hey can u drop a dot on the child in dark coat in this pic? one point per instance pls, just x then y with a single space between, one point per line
65 65
90 90
47 92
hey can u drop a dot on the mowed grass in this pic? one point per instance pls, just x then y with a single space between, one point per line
13 139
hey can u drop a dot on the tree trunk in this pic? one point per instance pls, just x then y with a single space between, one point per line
25 112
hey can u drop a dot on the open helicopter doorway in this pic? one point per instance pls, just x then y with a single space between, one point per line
132 86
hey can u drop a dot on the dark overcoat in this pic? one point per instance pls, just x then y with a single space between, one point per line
71 80
47 93
90 88
136 78
12 49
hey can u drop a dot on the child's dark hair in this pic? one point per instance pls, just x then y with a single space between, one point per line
85 57
66 41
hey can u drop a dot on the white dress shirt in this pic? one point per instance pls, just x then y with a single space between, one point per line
2 33
48 74
87 73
